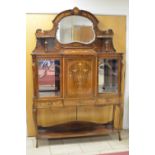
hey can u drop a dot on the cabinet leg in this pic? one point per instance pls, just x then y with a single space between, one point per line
36 142
35 122
119 135
113 118
120 121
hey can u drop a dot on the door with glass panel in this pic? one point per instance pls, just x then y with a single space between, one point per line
108 77
49 77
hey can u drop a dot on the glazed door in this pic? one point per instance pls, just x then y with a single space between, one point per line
108 75
79 77
49 73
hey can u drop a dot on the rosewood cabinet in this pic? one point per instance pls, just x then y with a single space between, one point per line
77 78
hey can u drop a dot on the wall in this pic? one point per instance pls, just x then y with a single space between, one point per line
105 7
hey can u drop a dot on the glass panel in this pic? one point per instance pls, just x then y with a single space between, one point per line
75 29
108 75
49 77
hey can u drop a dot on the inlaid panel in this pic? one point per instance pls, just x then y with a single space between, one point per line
79 102
48 104
107 100
79 77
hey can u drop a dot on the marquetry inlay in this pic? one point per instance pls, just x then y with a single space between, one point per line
79 72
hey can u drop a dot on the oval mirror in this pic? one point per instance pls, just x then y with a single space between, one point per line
75 29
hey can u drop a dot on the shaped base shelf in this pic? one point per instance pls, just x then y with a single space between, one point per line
71 130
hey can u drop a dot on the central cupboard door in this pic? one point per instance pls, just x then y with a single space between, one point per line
79 76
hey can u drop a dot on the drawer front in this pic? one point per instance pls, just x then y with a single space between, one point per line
96 114
49 104
56 115
79 102
108 100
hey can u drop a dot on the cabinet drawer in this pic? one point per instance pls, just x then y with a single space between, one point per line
114 100
54 116
49 104
96 114
79 102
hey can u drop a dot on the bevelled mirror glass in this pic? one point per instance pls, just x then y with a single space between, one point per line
108 76
49 77
75 29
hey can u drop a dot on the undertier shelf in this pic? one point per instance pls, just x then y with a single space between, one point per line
73 130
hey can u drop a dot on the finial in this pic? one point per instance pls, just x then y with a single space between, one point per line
76 10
